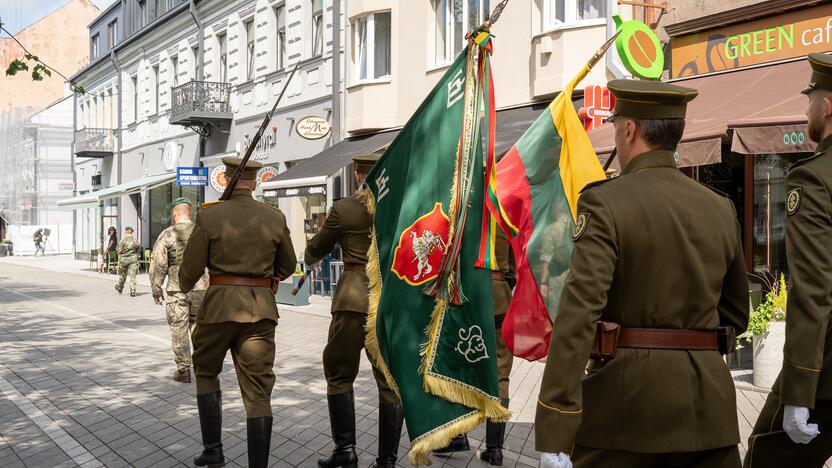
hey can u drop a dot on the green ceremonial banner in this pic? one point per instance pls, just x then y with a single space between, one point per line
440 357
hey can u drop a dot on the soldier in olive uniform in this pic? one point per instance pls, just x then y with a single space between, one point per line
349 224
180 308
247 249
795 425
128 251
659 255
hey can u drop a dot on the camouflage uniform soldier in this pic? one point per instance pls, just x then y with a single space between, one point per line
128 261
180 307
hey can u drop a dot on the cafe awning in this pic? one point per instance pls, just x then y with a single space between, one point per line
756 107
92 199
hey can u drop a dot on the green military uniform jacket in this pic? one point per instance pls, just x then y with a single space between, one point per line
500 288
653 249
807 355
128 250
167 256
239 237
349 224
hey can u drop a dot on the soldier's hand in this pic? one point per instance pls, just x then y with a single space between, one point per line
555 460
796 424
158 300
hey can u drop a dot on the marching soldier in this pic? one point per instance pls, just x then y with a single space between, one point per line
349 224
657 267
180 308
795 425
128 251
247 249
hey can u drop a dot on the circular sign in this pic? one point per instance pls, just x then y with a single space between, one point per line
639 49
265 174
170 155
312 128
217 178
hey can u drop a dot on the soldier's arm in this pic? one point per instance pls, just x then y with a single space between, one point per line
324 241
583 299
733 303
195 257
159 264
285 261
808 237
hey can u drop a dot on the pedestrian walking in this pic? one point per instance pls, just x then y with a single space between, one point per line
128 261
350 224
37 238
247 249
657 268
180 308
794 427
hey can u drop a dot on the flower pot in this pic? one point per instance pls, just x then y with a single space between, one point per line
768 355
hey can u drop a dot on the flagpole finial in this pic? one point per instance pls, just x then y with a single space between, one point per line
602 50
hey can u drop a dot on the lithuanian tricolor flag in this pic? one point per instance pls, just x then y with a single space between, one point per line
538 183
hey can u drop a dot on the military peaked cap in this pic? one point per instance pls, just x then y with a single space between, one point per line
643 99
821 72
250 172
365 162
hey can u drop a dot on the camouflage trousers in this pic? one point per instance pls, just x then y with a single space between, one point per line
181 310
127 269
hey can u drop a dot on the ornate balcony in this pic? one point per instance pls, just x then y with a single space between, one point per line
200 104
94 143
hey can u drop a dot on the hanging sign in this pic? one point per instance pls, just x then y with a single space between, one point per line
599 105
191 176
639 49
312 128
265 174
217 179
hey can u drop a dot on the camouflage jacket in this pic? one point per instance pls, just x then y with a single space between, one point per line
129 247
167 256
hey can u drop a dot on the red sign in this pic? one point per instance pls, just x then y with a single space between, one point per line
421 247
598 106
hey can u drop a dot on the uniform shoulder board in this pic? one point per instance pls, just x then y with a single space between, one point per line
805 160
210 204
594 184
273 207
716 191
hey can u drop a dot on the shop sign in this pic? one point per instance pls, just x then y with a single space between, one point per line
794 138
170 155
217 179
790 35
267 141
599 105
66 186
266 173
191 176
301 191
312 128
639 49
25 203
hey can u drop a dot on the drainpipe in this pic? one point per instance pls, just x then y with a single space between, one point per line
336 71
200 75
74 172
119 157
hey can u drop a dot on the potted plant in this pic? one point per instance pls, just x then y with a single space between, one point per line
767 333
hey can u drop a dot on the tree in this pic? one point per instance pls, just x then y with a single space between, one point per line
39 69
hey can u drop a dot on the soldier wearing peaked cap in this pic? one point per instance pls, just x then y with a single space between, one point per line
657 269
350 224
795 425
247 249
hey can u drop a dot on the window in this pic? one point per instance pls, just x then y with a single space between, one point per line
94 47
112 34
556 12
223 46
249 50
194 61
159 10
454 18
142 13
317 27
156 88
280 46
134 80
174 71
372 46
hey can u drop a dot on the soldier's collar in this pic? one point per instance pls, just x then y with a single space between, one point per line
239 193
824 145
651 159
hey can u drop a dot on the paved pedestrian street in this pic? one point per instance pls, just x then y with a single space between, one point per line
85 381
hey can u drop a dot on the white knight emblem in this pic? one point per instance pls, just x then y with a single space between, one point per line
423 247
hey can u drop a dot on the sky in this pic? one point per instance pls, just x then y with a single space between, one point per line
19 14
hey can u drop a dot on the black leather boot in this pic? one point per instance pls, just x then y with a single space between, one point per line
495 434
390 418
457 444
210 422
342 422
259 437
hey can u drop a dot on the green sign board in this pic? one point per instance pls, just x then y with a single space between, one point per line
639 49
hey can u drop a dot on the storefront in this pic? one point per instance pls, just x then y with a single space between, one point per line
748 123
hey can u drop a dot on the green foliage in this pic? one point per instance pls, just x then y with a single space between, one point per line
39 69
773 309
16 66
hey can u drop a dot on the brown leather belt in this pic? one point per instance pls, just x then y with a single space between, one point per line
228 280
498 276
355 266
660 338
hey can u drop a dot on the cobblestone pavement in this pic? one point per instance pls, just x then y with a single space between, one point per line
85 381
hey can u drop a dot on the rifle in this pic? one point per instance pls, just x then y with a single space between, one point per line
229 189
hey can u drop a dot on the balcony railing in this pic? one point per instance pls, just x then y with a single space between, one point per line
200 102
94 143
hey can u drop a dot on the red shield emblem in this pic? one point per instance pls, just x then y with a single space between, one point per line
421 247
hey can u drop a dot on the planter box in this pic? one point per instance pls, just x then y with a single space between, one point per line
768 355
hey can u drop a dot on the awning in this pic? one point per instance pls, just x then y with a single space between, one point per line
136 185
757 105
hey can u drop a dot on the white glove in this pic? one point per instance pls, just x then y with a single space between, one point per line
795 423
555 460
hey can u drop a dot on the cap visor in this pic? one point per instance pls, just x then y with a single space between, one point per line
807 90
